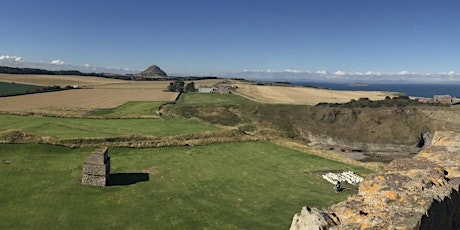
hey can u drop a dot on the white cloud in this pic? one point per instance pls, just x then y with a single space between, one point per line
372 73
340 73
87 65
323 72
404 72
451 73
57 62
292 71
12 58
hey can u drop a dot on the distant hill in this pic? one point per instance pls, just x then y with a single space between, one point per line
152 71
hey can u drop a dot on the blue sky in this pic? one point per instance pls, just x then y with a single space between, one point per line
184 36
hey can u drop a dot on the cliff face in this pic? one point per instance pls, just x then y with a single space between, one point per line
413 193
377 131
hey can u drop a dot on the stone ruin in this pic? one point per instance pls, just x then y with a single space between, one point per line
422 192
96 168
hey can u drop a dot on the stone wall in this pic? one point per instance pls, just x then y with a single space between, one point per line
413 193
96 168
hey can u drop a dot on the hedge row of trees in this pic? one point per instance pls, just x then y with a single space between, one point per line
12 70
180 86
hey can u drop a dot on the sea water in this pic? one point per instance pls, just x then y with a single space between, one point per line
415 90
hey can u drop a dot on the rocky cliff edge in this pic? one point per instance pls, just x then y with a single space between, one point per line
413 193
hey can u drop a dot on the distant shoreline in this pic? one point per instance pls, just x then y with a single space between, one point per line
358 84
410 89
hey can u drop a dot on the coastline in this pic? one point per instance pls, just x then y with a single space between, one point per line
410 89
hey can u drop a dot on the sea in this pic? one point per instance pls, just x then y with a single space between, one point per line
409 89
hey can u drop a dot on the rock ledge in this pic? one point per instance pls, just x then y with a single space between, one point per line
414 193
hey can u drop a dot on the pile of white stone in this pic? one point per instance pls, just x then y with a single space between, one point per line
348 176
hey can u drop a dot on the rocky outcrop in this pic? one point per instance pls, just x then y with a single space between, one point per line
413 193
362 151
152 71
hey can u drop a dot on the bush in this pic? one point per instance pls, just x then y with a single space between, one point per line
247 128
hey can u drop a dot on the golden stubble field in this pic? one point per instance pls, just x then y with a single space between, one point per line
94 93
302 95
60 80
98 92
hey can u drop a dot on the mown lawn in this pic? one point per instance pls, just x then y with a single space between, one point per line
245 185
80 128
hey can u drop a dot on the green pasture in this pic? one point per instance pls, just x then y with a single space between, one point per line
244 185
212 99
129 109
15 88
81 128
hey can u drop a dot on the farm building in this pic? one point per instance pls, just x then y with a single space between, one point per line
445 99
222 90
207 89
423 99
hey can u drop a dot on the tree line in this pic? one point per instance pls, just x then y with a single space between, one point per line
180 86
12 70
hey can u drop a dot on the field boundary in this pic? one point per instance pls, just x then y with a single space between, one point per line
159 110
130 141
205 138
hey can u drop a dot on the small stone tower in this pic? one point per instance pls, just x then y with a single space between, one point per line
96 168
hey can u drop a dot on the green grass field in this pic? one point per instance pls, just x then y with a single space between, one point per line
244 185
15 88
129 109
80 127
212 108
212 98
